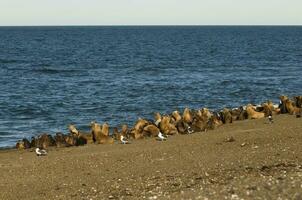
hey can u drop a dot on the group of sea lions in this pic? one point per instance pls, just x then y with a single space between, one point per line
188 122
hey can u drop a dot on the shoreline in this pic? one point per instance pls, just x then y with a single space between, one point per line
262 160
181 123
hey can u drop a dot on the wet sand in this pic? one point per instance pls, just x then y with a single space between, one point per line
249 159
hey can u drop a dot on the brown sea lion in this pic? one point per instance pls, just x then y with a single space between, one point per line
104 139
282 104
116 134
243 114
125 131
214 122
23 144
105 129
85 138
291 108
151 130
176 116
73 130
187 116
96 131
298 101
267 110
60 140
137 130
33 142
252 114
157 118
70 140
206 114
235 113
100 134
199 124
226 116
166 127
44 141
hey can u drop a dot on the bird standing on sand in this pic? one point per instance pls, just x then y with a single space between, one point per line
124 140
270 118
41 152
190 130
161 136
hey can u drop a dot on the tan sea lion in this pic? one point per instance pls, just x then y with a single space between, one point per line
176 116
23 144
214 122
226 116
157 118
105 129
252 114
60 140
166 127
96 131
44 141
298 101
291 108
151 130
137 130
73 130
187 116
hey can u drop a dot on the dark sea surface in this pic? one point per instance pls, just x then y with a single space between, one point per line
54 76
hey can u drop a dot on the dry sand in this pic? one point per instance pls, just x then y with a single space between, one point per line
260 161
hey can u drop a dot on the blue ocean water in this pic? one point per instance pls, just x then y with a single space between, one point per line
54 76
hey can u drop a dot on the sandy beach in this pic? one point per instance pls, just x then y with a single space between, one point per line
249 159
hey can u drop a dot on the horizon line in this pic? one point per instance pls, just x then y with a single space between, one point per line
104 25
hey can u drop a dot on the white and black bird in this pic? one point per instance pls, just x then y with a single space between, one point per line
161 136
124 140
41 152
190 130
270 119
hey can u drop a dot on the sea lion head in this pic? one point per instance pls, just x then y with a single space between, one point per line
105 129
73 131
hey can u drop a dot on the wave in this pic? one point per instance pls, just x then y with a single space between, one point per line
8 61
47 70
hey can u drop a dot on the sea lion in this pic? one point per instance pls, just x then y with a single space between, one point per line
151 130
166 127
291 108
105 129
176 116
214 122
282 105
73 130
226 116
187 116
116 134
125 130
252 114
96 131
45 140
137 130
60 140
298 101
105 139
157 117
23 144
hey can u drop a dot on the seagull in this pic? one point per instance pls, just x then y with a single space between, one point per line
41 152
161 136
270 118
124 140
190 130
